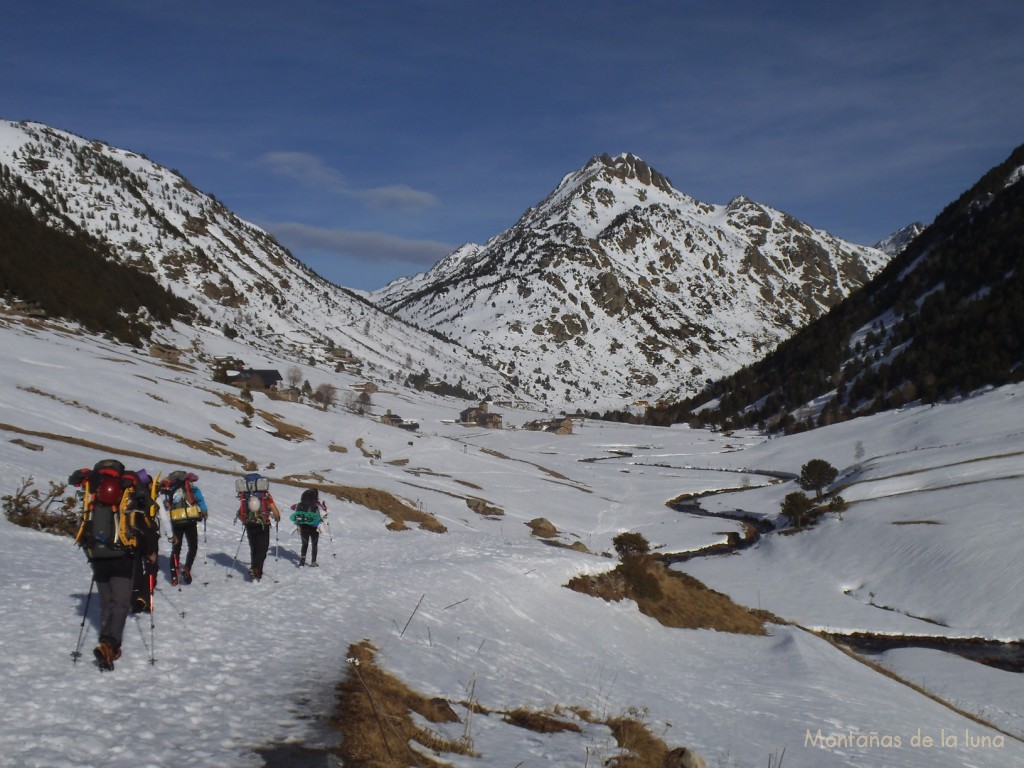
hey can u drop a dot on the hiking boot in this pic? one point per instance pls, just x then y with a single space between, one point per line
186 575
106 655
256 573
302 561
314 564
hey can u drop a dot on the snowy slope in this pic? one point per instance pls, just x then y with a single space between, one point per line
234 274
239 666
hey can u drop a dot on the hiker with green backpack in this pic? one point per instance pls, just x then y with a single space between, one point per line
307 516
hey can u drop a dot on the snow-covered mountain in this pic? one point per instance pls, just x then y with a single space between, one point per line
618 287
898 241
234 274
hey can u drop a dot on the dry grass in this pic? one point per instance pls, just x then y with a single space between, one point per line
539 722
203 446
375 718
674 599
643 748
221 431
333 448
399 512
483 507
283 428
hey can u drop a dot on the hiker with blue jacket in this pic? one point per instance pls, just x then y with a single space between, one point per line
185 507
307 516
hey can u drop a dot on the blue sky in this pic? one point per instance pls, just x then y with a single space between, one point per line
372 138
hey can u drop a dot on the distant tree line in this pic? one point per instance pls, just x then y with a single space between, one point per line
943 318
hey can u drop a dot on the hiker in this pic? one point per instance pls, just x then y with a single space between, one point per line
255 508
185 507
306 515
116 537
144 501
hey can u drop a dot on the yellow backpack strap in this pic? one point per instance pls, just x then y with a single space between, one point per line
85 512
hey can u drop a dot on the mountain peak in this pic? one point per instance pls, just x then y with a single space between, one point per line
628 166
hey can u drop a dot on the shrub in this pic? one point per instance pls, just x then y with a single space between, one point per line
795 507
631 544
51 511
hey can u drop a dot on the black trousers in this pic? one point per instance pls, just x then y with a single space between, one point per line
259 543
188 532
309 533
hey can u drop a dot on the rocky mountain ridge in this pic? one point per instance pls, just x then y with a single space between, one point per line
617 287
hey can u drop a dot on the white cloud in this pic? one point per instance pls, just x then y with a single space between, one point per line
377 247
314 172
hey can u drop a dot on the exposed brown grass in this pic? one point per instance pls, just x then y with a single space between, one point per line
283 428
539 722
643 748
367 453
204 446
221 431
399 512
375 718
674 599
483 507
334 448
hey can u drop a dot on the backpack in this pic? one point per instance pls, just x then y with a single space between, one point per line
180 499
307 511
253 491
108 523
144 495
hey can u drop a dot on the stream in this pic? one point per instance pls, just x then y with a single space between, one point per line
1004 655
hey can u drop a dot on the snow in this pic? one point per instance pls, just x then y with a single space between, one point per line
927 546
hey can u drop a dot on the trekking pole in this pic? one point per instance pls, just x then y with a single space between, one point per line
330 537
204 542
277 540
235 558
77 653
152 623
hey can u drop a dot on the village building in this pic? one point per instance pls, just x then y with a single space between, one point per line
255 379
481 416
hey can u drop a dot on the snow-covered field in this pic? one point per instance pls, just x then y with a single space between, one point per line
927 547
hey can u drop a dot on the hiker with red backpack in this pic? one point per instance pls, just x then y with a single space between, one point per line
115 534
185 507
255 508
307 516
